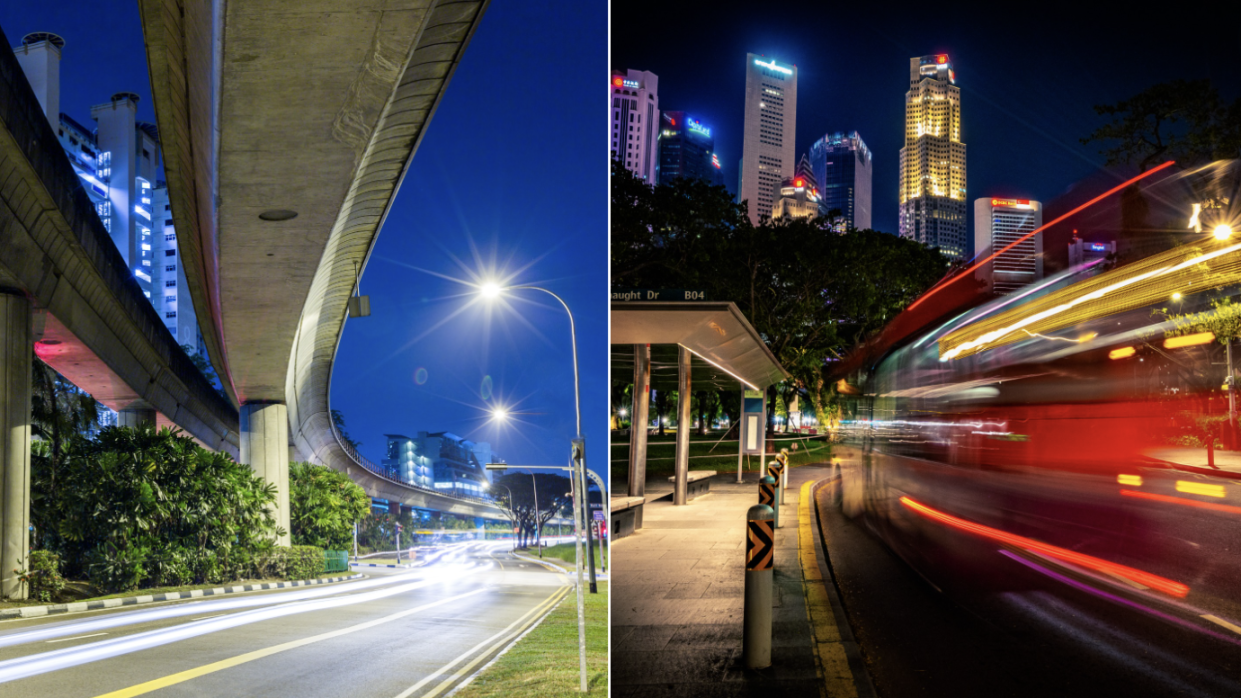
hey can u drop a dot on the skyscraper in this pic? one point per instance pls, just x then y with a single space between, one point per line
932 175
635 121
843 169
118 163
770 125
799 195
999 223
686 149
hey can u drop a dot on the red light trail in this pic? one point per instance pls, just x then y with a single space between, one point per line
944 284
1153 581
1181 500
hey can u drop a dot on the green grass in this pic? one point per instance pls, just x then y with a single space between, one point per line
706 455
568 553
545 662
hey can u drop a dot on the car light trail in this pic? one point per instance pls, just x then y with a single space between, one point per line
23 667
1122 353
1211 506
969 270
1199 488
1153 581
1189 340
197 607
1132 480
1117 599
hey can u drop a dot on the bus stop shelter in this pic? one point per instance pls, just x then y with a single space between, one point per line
683 346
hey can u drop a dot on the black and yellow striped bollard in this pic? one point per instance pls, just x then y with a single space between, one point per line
769 494
760 546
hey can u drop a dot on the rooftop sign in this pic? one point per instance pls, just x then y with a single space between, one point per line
771 65
696 125
1012 203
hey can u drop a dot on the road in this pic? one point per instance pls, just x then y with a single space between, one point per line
939 611
416 632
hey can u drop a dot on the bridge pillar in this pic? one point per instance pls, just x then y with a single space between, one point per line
394 508
15 352
264 444
136 416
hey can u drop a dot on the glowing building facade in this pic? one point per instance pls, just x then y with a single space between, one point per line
799 194
843 169
999 223
770 126
932 173
635 122
686 149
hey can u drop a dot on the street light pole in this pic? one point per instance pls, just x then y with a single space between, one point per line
493 289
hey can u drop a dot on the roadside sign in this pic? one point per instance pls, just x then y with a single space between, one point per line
599 516
659 294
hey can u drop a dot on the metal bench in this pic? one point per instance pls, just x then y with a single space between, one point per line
626 515
697 484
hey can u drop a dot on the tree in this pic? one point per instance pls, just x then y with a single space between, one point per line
203 364
324 505
58 412
152 507
810 292
1182 120
339 420
527 518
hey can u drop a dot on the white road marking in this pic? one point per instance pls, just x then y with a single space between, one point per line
79 637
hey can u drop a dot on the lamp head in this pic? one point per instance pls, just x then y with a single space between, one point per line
1223 231
490 290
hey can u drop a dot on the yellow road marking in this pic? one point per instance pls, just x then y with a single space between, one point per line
180 677
537 612
832 662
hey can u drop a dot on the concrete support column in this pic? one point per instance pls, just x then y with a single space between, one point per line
680 495
135 417
639 416
265 448
16 349
394 508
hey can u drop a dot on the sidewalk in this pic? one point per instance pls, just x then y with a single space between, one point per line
678 600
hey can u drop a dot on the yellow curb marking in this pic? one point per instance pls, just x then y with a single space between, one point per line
830 659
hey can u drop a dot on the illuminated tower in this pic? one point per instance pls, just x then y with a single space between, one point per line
635 122
933 160
770 124
843 168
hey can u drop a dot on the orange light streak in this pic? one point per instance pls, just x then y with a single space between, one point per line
1036 231
1227 509
1167 586
1123 353
1189 340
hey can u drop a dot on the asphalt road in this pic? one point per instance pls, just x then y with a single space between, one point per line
401 632
961 616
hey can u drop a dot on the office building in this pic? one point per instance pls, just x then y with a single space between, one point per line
686 149
439 460
118 160
767 158
635 122
1081 252
843 169
799 196
999 223
932 174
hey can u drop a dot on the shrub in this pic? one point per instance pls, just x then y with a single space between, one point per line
324 504
295 562
43 576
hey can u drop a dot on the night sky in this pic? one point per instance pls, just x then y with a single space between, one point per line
511 176
1029 74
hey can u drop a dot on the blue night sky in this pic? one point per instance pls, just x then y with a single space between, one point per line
1029 74
511 178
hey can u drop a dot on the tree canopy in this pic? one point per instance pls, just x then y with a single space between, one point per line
809 291
324 504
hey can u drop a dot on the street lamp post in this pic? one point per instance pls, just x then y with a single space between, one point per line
492 290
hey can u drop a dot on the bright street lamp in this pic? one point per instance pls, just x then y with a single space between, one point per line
1223 231
490 290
